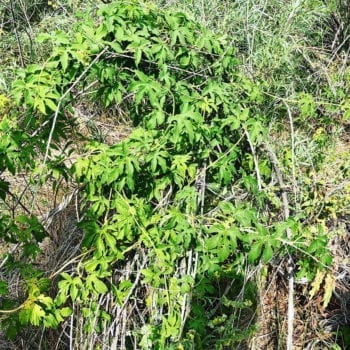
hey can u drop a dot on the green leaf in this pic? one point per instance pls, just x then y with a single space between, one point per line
66 276
100 246
51 104
267 253
326 258
255 252
73 292
224 252
256 130
212 242
64 60
40 105
245 216
138 56
185 61
99 286
42 37
61 298
3 288
110 241
50 321
36 314
226 207
24 316
316 244
66 311
4 187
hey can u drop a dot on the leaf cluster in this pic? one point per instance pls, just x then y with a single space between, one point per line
188 189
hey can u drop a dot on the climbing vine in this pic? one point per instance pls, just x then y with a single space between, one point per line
181 202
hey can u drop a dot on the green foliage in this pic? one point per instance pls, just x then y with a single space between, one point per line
188 188
185 102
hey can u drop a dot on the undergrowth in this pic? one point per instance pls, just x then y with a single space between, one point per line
222 184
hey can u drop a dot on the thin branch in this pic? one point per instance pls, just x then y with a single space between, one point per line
292 135
255 159
18 202
15 28
70 262
13 310
86 70
175 68
12 250
192 263
290 267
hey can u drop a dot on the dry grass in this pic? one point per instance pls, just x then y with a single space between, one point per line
58 207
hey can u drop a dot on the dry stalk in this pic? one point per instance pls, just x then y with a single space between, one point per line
290 267
255 158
